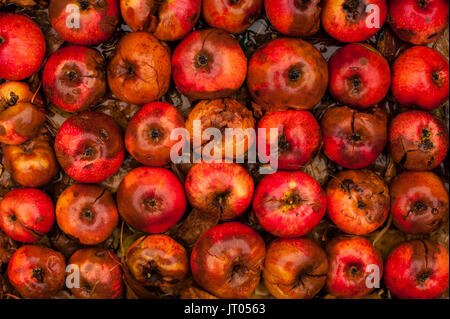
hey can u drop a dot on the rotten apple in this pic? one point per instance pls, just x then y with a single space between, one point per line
208 64
148 134
168 20
227 260
84 22
139 72
289 204
299 138
22 46
87 213
351 261
100 274
419 202
26 214
89 147
233 16
295 268
151 199
358 201
354 139
223 190
353 20
417 269
287 72
37 271
157 260
74 78
295 18
14 92
418 140
359 75
420 78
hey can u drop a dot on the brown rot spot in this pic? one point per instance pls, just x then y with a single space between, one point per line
438 78
422 277
38 274
353 9
221 198
151 273
361 205
103 134
283 144
238 270
13 98
425 140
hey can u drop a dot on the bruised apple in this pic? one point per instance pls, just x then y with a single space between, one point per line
227 260
139 72
287 72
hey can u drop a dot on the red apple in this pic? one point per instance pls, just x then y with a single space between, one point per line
87 213
74 78
418 140
14 92
358 201
354 139
299 137
33 163
26 214
22 46
419 202
208 64
157 260
295 18
352 260
289 204
168 20
92 22
417 269
420 78
418 21
224 190
89 147
353 20
37 271
151 199
359 75
287 72
139 72
227 260
295 268
100 274
233 16
147 137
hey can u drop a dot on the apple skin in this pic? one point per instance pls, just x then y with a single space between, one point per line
151 199
37 271
147 137
22 46
139 72
168 20
74 78
233 16
420 78
289 204
100 274
295 18
418 21
14 92
26 214
295 268
354 139
87 213
157 260
97 20
417 269
224 190
287 72
208 64
299 137
358 201
345 20
227 260
419 202
418 140
348 258
359 75
20 122
89 147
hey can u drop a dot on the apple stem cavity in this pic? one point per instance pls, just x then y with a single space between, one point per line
38 274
